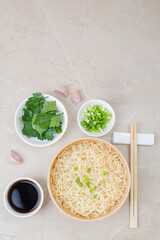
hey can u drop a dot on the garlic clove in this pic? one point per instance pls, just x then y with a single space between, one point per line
76 96
63 90
15 158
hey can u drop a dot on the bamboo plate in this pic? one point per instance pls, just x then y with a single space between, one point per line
113 210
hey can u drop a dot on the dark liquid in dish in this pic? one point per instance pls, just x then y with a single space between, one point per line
24 196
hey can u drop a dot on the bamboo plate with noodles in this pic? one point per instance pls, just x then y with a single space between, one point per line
104 147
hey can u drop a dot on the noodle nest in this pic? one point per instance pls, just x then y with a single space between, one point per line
107 177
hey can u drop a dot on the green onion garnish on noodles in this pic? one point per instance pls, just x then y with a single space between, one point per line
86 180
94 189
77 180
88 170
88 183
103 181
85 177
75 168
95 196
104 173
80 184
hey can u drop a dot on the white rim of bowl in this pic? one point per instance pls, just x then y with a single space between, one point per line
11 210
47 143
91 134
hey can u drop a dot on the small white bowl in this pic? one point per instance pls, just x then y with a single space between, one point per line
35 141
8 206
90 103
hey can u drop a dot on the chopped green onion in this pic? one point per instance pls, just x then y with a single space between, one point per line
75 168
88 183
96 118
80 184
88 170
77 180
85 177
103 181
86 180
95 196
93 189
104 173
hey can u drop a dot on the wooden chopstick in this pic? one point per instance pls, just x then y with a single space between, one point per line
135 174
132 181
133 167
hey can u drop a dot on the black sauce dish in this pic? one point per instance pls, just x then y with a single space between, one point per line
23 197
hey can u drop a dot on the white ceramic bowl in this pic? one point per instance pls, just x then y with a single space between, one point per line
11 210
35 141
91 103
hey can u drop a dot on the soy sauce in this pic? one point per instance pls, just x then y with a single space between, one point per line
24 196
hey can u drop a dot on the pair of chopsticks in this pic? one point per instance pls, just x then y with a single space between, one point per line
133 168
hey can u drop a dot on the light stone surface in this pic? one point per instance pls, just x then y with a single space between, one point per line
106 49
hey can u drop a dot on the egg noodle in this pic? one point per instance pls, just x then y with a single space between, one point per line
107 177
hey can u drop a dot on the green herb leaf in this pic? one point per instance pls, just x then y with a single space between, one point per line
39 124
42 120
88 170
35 103
104 173
39 118
49 107
49 134
91 189
58 129
95 196
56 120
39 130
103 181
75 168
29 131
37 95
28 114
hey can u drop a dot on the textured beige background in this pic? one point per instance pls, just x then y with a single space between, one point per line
105 49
